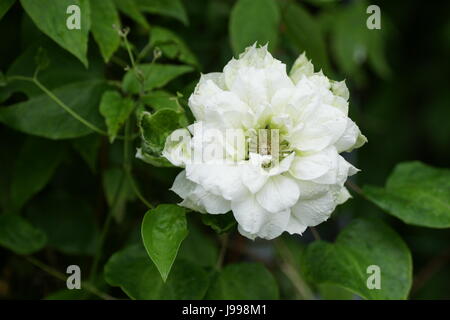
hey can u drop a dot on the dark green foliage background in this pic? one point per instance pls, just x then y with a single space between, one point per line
62 182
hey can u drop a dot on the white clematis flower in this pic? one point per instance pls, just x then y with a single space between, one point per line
287 179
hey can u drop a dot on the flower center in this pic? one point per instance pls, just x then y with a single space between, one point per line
269 143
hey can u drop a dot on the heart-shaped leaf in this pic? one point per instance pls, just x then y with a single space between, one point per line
416 193
133 271
244 281
116 110
163 230
42 116
246 27
361 250
50 17
18 235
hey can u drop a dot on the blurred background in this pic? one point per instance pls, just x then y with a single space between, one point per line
398 78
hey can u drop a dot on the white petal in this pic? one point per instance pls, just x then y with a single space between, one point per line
216 77
250 87
340 89
344 170
221 179
211 103
340 103
253 177
195 197
182 186
349 139
314 211
323 127
283 166
343 196
213 204
177 148
249 214
311 190
339 173
190 204
274 226
256 76
278 194
281 99
294 226
185 188
302 67
314 165
320 81
251 236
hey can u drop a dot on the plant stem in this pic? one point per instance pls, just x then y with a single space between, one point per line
68 109
55 273
355 188
137 192
126 146
105 229
223 249
127 46
137 72
60 103
128 167
430 269
119 61
288 267
315 233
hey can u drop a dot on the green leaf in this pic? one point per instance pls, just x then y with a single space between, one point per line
170 8
5 5
332 292
88 147
131 9
68 294
116 111
50 17
155 127
361 244
104 17
220 223
163 230
117 191
54 76
18 235
244 281
415 193
41 116
68 222
354 44
154 76
156 161
34 168
172 46
306 35
252 21
132 271
160 99
198 248
322 3
42 60
2 79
